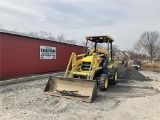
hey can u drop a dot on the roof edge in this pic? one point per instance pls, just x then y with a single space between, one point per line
41 38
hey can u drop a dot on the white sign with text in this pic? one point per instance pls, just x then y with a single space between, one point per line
47 52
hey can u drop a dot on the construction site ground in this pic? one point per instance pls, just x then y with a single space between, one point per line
128 100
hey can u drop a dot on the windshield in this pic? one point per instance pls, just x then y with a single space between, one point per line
136 62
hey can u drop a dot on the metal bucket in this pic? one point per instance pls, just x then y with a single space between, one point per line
79 89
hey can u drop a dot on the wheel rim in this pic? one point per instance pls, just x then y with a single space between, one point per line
106 83
116 76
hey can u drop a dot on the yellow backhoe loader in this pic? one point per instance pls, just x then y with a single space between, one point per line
89 71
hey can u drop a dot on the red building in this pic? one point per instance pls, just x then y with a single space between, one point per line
23 55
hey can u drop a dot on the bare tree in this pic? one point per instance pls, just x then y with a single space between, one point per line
43 34
33 34
50 36
150 42
90 44
61 38
114 50
137 47
71 42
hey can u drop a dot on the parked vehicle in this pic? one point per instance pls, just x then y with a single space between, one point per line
137 64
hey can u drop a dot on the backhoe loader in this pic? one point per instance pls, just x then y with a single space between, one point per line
93 69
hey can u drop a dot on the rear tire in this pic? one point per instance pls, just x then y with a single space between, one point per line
115 77
103 82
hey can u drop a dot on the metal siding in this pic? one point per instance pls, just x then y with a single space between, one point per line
21 55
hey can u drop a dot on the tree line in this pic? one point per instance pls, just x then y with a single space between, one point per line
148 45
50 36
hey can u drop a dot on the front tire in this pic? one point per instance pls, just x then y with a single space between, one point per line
103 82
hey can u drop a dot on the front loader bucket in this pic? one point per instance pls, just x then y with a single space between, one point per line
79 89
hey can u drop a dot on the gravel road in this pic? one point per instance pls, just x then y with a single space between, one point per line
128 100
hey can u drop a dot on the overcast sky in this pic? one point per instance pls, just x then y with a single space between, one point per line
124 20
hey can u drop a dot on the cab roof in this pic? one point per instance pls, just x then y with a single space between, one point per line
100 39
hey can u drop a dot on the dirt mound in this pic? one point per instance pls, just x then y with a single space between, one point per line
131 74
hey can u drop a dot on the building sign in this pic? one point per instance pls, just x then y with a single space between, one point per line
47 52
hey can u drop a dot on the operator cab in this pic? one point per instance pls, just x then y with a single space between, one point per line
100 39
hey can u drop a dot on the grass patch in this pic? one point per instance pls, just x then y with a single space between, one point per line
151 66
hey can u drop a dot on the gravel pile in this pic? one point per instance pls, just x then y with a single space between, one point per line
121 69
131 74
